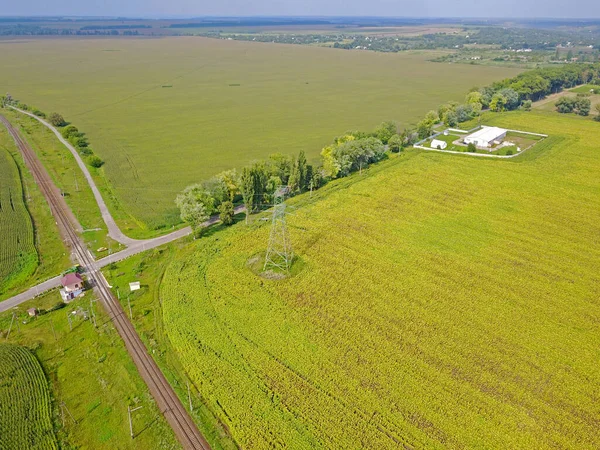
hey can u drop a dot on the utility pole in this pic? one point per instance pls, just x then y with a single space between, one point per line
129 411
190 397
10 327
129 304
53 331
279 252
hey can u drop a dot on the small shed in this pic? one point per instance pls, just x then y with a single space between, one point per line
32 312
436 143
135 286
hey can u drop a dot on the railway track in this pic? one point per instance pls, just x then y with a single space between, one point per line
169 404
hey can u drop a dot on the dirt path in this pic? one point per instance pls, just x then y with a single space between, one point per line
167 401
113 229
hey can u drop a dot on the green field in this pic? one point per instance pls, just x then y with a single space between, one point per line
229 103
439 301
66 175
91 375
18 256
25 408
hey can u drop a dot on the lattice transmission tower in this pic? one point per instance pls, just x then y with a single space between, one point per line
279 252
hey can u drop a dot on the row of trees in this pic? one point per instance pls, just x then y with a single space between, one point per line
256 185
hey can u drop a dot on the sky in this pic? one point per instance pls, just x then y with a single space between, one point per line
396 8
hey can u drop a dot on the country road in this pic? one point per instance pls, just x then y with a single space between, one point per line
113 229
134 246
167 401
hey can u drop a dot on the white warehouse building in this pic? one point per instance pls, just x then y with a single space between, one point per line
486 136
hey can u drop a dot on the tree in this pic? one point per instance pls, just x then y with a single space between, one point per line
95 161
471 148
230 180
583 105
498 103
526 105
569 55
565 105
56 120
298 179
385 131
464 113
451 118
424 129
432 117
226 212
395 143
597 117
247 190
192 209
474 97
512 98
280 166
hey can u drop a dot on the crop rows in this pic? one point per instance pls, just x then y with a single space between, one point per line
443 302
18 256
25 407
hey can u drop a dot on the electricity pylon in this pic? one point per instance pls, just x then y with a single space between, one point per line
279 252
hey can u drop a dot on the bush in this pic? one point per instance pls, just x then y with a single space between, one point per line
472 148
526 105
95 161
226 213
85 151
57 120
70 131
38 113
509 152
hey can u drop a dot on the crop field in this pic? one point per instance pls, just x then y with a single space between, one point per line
437 301
25 408
164 113
92 377
18 256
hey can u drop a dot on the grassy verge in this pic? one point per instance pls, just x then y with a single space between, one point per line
66 175
148 269
52 253
92 377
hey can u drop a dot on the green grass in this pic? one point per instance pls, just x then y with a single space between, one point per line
18 256
52 257
444 301
91 375
25 408
585 89
155 141
66 175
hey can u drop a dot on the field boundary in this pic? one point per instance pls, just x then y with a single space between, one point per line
485 155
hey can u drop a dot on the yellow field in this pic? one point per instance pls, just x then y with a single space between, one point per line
440 301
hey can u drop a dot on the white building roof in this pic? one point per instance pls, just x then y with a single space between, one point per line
486 134
435 143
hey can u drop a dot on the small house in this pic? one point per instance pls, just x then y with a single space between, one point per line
436 143
72 286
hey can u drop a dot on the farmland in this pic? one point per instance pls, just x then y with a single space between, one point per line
25 408
93 380
18 256
438 301
164 113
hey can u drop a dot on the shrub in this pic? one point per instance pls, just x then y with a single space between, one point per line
509 152
57 120
70 131
471 148
95 161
